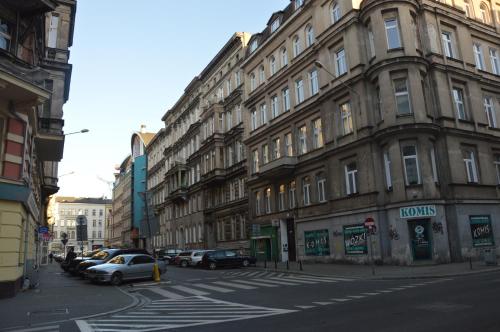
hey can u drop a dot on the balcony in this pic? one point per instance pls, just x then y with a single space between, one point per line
49 186
50 139
30 6
179 195
278 168
215 176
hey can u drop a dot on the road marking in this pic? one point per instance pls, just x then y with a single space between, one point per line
323 303
313 279
300 281
371 294
215 288
356 296
232 284
305 306
418 284
276 282
396 288
409 286
189 290
165 293
259 284
41 328
263 274
253 274
384 291
341 300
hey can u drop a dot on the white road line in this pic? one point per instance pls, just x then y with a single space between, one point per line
418 284
396 288
214 288
263 274
232 284
409 286
323 278
189 290
341 300
276 282
384 291
356 296
313 279
300 281
371 294
305 306
258 284
165 293
41 328
83 326
253 274
323 303
240 273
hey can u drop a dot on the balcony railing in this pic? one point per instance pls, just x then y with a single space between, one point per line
51 126
283 166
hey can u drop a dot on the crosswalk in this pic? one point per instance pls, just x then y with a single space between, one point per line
168 314
244 281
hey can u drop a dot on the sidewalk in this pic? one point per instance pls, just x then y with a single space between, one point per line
59 296
381 272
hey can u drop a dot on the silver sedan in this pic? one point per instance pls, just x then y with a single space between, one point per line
124 267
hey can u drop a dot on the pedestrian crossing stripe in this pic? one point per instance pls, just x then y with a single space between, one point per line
48 328
178 313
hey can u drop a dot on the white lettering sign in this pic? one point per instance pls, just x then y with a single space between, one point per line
417 211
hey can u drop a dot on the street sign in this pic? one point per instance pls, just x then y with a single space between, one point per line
43 230
369 222
64 238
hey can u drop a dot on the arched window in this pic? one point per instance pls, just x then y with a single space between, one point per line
335 12
468 8
484 13
309 35
272 65
321 186
252 82
262 75
296 46
284 57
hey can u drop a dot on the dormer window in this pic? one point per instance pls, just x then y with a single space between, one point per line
298 4
275 25
253 46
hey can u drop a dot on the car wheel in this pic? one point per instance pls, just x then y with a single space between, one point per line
184 264
246 263
212 266
116 279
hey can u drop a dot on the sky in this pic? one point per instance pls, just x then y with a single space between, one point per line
131 62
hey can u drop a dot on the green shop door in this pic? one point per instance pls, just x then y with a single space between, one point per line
421 243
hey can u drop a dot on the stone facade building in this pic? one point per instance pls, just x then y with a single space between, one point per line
35 37
375 110
121 221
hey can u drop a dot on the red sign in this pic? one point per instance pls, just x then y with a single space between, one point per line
369 222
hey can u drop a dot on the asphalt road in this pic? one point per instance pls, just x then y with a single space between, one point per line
252 300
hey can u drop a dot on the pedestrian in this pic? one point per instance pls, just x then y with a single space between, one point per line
51 257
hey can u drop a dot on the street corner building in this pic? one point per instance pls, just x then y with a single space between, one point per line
35 37
378 110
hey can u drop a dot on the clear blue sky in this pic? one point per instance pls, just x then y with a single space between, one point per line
131 62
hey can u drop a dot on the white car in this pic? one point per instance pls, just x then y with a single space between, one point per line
196 257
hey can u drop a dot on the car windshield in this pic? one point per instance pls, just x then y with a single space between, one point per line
117 260
101 255
187 253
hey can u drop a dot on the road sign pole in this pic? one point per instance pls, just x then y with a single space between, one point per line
371 250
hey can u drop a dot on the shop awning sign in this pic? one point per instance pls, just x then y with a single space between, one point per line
418 211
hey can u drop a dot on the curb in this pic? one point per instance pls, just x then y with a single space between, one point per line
382 277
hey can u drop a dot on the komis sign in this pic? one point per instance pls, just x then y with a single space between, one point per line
417 211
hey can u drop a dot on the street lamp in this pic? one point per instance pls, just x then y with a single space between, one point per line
78 132
70 173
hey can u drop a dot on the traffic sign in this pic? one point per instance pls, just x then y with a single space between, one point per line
43 230
369 222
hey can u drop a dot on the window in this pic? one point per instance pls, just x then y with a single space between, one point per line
402 96
272 65
346 118
468 8
410 160
434 165
255 159
262 75
495 65
458 97
317 134
253 83
313 82
291 194
265 154
335 13
340 63
350 178
306 191
93 212
496 162
228 86
490 112
284 57
296 46
253 116
299 91
253 46
268 200
309 35
387 169
288 145
238 115
298 4
5 36
286 99
392 33
371 41
321 181
263 114
229 120
448 44
276 148
281 198
470 166
303 140
484 13
275 25
238 78
257 203
478 56
54 25
274 107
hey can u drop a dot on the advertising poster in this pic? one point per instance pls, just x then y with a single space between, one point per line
355 240
317 243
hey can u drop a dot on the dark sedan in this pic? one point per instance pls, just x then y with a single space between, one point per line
225 258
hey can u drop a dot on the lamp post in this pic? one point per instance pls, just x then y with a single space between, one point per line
83 131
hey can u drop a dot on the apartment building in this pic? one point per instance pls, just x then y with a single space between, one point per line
121 221
379 111
35 37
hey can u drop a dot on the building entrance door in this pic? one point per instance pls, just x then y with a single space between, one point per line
290 231
421 243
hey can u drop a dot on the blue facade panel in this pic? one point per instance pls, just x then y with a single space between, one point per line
139 189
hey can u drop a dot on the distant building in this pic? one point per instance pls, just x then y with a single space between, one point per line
121 221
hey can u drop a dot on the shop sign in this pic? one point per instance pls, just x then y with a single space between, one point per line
355 240
417 211
482 233
317 243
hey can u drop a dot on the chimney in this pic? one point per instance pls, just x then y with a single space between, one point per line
143 129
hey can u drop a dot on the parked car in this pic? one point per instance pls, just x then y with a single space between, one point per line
72 266
125 267
183 258
196 257
167 255
106 255
225 258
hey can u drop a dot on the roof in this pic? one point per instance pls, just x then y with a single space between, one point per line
82 200
146 137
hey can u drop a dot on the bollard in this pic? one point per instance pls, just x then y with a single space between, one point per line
275 264
265 264
300 265
470 261
156 272
287 266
